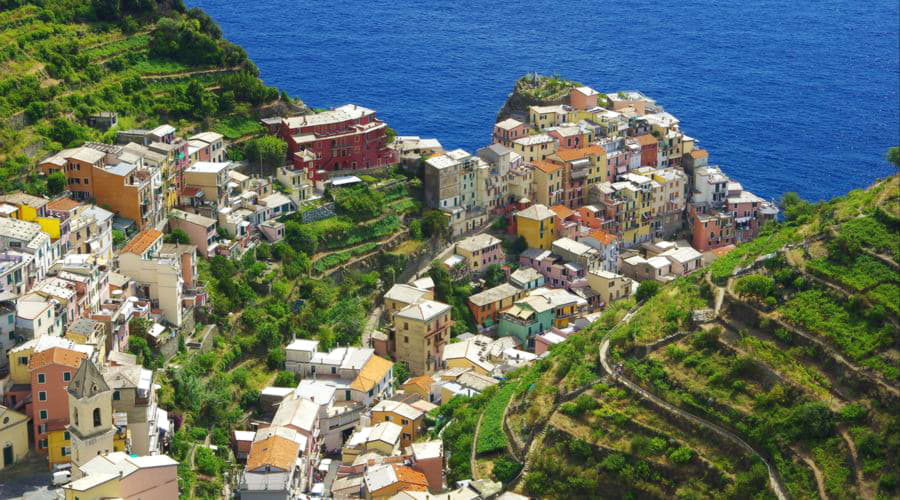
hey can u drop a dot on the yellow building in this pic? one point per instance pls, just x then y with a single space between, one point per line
537 225
548 183
13 436
59 445
542 117
421 330
534 147
411 420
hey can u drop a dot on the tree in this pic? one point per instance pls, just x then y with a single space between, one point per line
178 236
434 224
646 290
359 202
266 152
285 379
494 275
401 373
756 286
794 207
681 455
275 358
893 156
56 183
118 237
301 237
443 285
505 470
207 461
202 103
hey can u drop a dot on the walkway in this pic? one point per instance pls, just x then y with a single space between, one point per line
774 480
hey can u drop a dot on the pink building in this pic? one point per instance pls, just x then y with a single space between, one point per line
508 130
481 251
557 273
51 371
202 231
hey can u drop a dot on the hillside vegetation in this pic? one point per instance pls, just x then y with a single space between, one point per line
800 364
149 61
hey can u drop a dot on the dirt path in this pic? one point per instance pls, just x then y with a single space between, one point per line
183 74
820 478
774 479
863 488
472 464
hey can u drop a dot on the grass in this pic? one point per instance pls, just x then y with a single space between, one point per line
864 272
667 312
491 437
745 253
339 258
821 314
235 127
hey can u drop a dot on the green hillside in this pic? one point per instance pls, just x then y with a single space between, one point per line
800 364
148 61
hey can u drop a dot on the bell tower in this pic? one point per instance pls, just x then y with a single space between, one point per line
90 416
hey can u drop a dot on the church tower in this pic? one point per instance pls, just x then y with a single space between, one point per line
90 416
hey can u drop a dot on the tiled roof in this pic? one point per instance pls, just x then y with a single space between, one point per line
140 243
412 478
56 356
603 237
422 381
536 212
63 204
372 372
569 154
546 167
275 451
562 211
646 140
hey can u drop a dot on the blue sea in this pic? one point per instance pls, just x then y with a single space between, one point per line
787 96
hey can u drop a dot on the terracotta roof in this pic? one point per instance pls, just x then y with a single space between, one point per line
413 479
275 451
56 356
699 153
646 140
142 241
422 381
190 191
562 211
372 372
603 237
546 166
63 204
569 154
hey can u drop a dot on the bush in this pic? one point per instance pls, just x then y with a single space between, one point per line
756 286
505 470
646 290
681 455
285 379
207 462
275 358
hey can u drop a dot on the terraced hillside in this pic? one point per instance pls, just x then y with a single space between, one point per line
787 387
150 62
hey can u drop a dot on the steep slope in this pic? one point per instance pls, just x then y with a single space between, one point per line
148 61
791 391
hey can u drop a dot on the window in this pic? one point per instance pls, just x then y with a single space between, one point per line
42 428
67 376
42 396
42 443
96 417
333 370
41 378
405 339
42 414
404 421
387 418
66 436
23 360
116 396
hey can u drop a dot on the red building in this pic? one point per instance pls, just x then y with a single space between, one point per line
649 149
346 138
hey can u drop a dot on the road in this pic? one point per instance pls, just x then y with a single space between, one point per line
774 480
28 480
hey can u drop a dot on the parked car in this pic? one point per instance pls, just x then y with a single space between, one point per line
62 474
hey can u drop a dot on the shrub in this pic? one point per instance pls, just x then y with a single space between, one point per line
756 286
285 379
646 290
681 455
505 470
275 358
207 462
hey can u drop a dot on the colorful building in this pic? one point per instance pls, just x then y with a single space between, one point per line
537 224
349 137
51 371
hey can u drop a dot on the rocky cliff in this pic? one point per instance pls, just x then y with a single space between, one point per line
535 90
